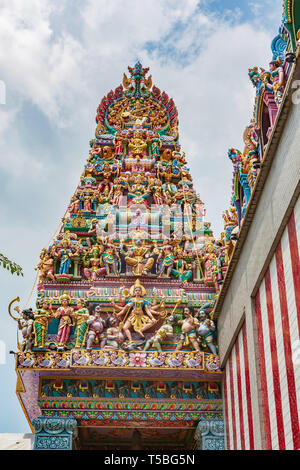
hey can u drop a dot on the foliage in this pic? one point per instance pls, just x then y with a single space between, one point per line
10 265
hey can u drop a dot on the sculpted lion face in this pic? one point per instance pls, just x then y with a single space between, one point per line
167 155
107 153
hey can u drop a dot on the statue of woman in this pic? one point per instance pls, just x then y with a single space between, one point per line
80 316
42 316
65 254
65 314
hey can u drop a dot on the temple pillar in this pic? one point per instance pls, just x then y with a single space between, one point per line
210 435
54 433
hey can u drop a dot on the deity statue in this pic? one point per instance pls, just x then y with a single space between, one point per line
42 316
92 263
46 266
25 324
189 330
137 145
64 314
120 143
80 316
96 326
138 313
110 258
139 257
168 258
155 145
231 231
114 337
164 332
139 192
64 252
277 80
206 330
181 269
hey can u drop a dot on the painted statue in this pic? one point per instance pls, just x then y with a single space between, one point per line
138 313
64 313
189 330
206 331
96 326
80 317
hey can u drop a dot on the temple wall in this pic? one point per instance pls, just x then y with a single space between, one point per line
238 396
279 330
266 270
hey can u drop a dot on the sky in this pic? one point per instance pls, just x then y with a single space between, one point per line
58 58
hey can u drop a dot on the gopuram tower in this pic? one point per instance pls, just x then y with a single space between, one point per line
120 351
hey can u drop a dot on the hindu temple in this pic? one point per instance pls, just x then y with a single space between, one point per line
149 331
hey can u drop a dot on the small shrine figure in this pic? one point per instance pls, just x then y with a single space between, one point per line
138 313
96 326
189 331
42 316
64 314
80 316
206 331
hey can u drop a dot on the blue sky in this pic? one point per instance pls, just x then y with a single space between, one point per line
59 58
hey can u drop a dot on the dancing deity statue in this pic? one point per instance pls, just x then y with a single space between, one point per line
138 313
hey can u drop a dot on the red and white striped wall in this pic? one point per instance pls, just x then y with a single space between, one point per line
277 308
277 311
237 397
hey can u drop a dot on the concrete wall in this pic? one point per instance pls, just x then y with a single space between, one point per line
16 441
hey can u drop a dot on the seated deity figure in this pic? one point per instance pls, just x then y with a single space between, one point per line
189 331
137 145
181 269
138 257
92 263
138 313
